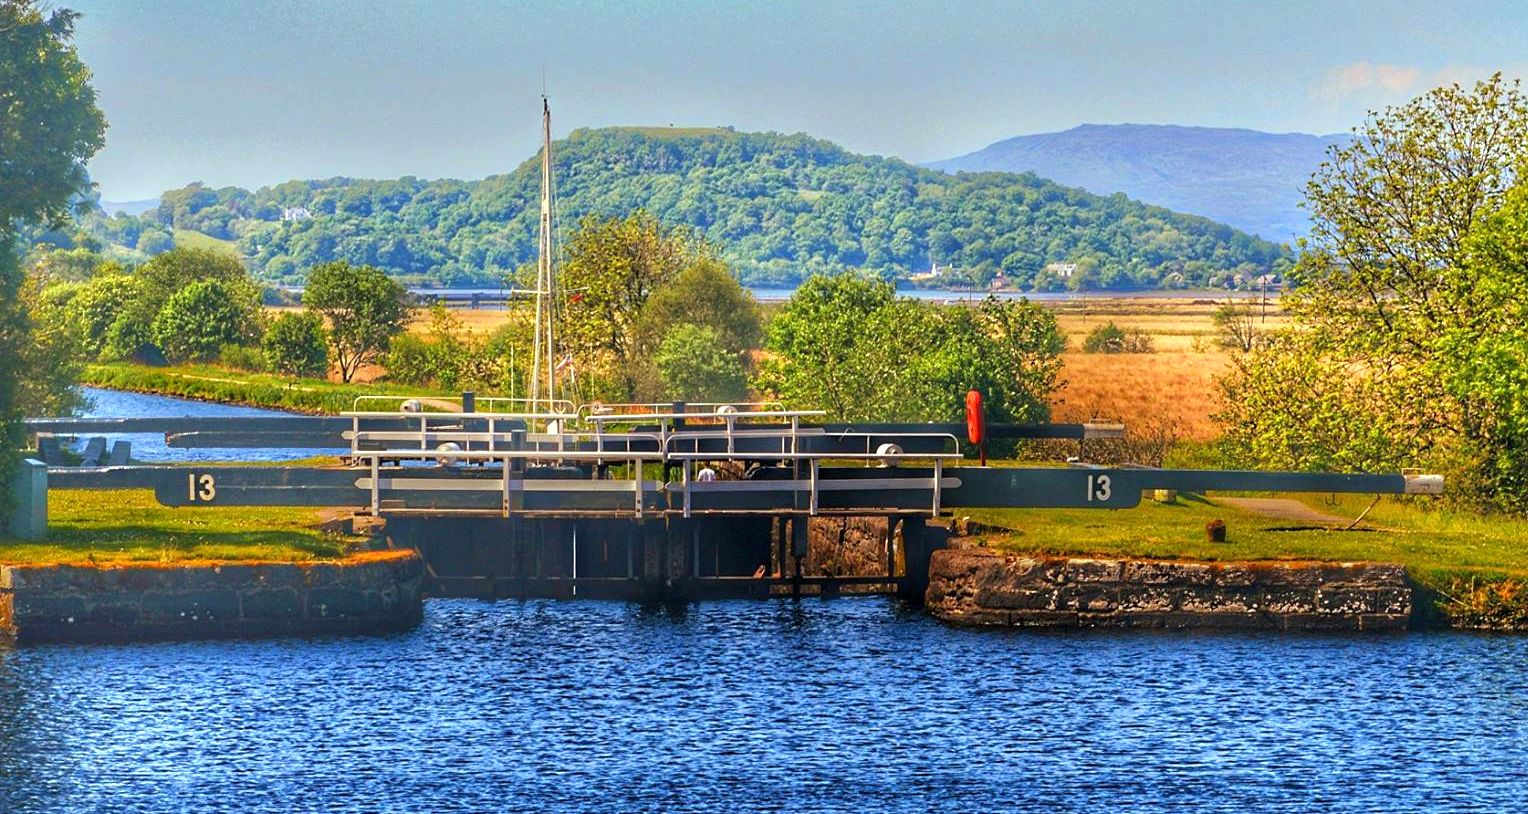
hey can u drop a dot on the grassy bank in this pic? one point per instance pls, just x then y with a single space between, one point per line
1473 570
210 383
129 526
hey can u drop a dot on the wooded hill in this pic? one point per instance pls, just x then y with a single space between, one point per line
778 207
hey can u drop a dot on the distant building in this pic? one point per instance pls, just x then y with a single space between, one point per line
932 274
296 213
1062 270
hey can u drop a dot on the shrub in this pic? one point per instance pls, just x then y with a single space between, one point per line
197 321
97 306
1111 338
298 345
242 357
410 360
693 363
130 336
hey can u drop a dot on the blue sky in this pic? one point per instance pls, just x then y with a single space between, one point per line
254 93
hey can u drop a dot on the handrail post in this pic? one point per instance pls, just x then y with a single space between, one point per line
938 480
636 471
684 478
506 485
376 486
812 505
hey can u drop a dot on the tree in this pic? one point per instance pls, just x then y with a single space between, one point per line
134 335
1401 294
706 294
815 342
197 321
613 266
850 347
172 271
364 308
49 123
49 128
297 344
1238 325
695 365
53 357
97 305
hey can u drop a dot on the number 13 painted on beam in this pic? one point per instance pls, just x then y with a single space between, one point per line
201 488
1100 488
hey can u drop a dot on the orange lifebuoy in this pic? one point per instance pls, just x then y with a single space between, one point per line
975 421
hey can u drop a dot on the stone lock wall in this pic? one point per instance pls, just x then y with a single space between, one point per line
369 592
979 586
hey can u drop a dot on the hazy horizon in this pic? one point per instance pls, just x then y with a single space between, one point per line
229 94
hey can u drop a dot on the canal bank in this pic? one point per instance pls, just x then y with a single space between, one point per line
367 592
985 587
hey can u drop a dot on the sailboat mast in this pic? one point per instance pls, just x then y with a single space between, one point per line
545 350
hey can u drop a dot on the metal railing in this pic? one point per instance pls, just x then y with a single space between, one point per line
479 438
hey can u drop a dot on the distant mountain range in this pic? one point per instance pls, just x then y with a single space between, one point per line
1246 178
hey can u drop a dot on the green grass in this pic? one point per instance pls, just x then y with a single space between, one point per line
129 526
211 383
189 239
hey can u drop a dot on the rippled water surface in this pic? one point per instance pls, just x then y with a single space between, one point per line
152 448
840 705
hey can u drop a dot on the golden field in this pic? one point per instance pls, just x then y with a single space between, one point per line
1175 384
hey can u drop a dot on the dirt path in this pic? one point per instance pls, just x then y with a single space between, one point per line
1287 510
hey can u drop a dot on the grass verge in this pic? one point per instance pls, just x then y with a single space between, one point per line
99 526
210 383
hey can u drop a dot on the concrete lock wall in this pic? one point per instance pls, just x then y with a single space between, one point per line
989 588
370 592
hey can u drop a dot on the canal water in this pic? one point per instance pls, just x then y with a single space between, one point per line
151 448
846 705
859 705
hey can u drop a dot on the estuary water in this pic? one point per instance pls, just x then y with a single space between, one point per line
844 705
859 705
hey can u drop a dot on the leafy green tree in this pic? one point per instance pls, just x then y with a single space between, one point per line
1406 304
154 242
694 364
197 321
134 333
613 267
49 123
131 337
53 357
172 271
365 310
49 128
297 344
705 294
98 304
819 348
851 347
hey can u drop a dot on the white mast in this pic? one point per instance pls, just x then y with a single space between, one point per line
545 345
